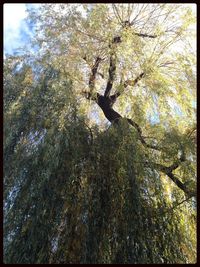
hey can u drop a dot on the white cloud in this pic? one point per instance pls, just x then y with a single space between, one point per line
13 18
16 30
13 14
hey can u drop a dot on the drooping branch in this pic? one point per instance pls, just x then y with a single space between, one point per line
126 24
100 74
176 164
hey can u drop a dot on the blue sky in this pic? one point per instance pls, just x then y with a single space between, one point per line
17 31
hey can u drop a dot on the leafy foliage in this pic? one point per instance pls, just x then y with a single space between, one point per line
77 190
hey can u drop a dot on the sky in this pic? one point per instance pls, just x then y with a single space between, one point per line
16 30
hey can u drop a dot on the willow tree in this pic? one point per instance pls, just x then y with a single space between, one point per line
99 137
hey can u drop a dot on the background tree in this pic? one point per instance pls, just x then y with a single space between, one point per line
78 189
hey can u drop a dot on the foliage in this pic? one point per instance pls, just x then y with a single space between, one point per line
76 189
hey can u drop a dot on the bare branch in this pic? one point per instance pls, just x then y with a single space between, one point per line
140 10
145 35
117 14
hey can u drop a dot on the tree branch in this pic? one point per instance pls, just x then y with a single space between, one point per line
137 127
91 96
126 84
93 73
165 169
118 39
145 35
175 206
134 82
100 74
176 181
168 171
112 71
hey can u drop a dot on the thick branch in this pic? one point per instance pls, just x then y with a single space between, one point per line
112 67
93 73
105 104
176 181
92 96
114 97
177 163
112 70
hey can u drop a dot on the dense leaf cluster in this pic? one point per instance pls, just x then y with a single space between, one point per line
75 194
77 190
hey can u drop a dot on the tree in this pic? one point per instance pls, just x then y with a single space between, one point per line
78 189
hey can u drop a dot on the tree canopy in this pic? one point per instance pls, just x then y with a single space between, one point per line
100 136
